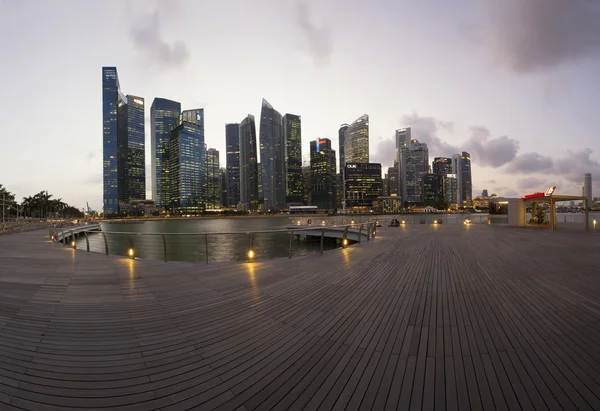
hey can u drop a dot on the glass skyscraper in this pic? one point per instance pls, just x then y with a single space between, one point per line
432 190
467 186
187 163
342 139
292 133
414 164
111 99
123 150
322 174
272 157
164 117
213 180
232 142
248 164
363 185
356 141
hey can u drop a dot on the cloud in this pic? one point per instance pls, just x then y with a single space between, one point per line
539 35
318 39
90 155
531 163
384 153
493 152
147 38
531 182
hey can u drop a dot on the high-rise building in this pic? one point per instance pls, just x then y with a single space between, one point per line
306 183
363 185
451 191
442 166
292 135
403 139
392 180
164 117
467 186
187 163
356 141
322 174
213 180
111 99
414 164
433 194
272 157
342 149
457 170
224 188
587 189
232 142
248 164
135 149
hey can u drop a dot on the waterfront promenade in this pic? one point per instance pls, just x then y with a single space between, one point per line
423 317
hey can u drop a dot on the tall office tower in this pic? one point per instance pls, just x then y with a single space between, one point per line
457 170
356 141
112 99
450 190
342 149
292 135
587 189
187 163
385 192
392 175
433 193
322 174
232 142
261 194
272 157
363 185
442 166
403 138
306 183
248 164
415 162
224 188
164 117
135 149
467 186
339 189
213 180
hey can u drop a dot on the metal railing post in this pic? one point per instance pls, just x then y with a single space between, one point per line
105 243
206 246
165 246
291 237
322 239
87 241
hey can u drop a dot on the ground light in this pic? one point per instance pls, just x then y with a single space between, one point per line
345 242
131 253
403 222
72 243
250 255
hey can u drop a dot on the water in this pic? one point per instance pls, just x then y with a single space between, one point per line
199 239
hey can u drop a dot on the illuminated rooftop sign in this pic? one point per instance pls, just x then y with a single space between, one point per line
548 193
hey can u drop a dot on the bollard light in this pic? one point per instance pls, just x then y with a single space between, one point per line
72 243
250 255
403 222
352 222
131 253
345 242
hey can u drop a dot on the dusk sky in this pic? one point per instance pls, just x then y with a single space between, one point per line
514 82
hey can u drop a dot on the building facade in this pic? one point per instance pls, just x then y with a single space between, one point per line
414 165
272 157
187 164
433 194
112 99
213 180
232 142
457 171
392 181
356 141
466 183
248 165
451 191
363 185
224 192
292 134
164 117
322 174
587 189
341 150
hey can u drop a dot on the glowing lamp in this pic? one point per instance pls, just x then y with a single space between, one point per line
131 252
251 254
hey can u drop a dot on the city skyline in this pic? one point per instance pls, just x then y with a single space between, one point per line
527 111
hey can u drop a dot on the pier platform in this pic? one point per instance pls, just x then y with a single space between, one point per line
432 317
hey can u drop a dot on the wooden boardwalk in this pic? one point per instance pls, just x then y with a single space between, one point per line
423 317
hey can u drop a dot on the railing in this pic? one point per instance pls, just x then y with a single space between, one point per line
217 246
385 219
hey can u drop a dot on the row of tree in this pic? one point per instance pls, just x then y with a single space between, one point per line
40 205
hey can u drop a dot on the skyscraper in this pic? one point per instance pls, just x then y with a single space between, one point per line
442 166
248 164
224 192
272 157
306 183
292 134
213 180
322 174
363 185
451 191
587 189
415 162
187 163
164 117
356 141
342 139
433 194
232 141
112 98
457 170
467 186
403 138
392 180
124 162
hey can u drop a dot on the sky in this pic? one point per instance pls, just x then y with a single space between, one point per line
515 82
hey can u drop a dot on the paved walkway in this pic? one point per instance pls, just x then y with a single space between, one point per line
423 317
